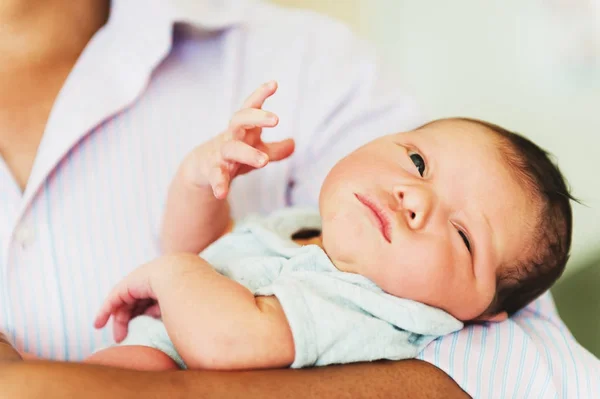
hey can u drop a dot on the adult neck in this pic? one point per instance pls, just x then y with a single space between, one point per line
36 33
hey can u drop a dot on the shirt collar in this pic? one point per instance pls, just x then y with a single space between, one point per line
142 30
208 15
116 66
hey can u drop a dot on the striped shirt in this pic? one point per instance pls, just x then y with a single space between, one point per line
162 77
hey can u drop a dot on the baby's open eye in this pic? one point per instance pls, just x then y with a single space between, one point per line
419 162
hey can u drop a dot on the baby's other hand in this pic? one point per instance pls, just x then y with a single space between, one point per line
239 149
131 297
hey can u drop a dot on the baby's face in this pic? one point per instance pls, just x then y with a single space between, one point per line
428 215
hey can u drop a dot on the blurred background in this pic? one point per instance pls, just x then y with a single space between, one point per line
530 66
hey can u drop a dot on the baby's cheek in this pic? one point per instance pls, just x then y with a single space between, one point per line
404 277
434 277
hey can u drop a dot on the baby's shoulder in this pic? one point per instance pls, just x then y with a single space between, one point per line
261 235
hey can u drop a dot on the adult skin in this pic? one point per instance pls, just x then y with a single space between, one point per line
40 42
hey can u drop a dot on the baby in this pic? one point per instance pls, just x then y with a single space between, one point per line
417 233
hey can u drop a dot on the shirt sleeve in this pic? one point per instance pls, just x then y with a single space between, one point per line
348 98
334 320
532 355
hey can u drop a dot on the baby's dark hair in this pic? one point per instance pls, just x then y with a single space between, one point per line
547 254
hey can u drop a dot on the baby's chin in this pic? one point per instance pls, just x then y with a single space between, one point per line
337 253
341 263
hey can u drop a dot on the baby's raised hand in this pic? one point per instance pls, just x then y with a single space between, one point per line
239 149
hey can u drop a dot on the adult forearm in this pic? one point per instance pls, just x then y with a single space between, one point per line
193 217
49 380
404 379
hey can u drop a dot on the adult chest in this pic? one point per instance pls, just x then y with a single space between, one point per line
91 211
28 93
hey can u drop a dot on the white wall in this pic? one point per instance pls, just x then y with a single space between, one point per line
503 61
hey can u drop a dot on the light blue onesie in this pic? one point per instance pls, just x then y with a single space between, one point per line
335 317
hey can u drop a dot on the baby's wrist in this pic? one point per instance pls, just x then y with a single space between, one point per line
192 174
169 270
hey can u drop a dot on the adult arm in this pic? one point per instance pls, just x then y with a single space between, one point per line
403 379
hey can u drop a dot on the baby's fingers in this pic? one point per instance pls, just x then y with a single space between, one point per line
258 97
279 150
250 118
101 319
219 179
115 300
234 154
121 320
243 153
103 315
153 311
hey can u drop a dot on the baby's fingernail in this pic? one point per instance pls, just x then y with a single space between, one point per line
271 117
262 159
269 84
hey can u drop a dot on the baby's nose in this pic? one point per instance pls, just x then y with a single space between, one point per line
414 204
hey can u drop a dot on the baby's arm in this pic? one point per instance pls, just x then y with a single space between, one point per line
193 217
197 212
214 322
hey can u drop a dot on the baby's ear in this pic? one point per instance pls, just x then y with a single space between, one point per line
496 318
